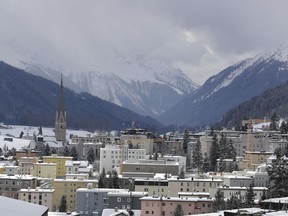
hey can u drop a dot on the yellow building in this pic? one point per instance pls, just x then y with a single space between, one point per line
256 158
1 169
44 170
60 164
68 188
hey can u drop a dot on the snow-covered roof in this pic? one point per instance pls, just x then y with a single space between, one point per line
113 212
177 199
7 206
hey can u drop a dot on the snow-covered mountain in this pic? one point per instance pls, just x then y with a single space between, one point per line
232 86
143 84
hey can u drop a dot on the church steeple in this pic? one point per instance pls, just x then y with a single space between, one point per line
60 123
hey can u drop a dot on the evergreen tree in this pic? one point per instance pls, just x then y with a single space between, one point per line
278 180
279 152
109 182
221 165
115 179
249 196
46 150
53 151
178 211
156 155
219 202
197 157
186 140
214 153
74 153
263 195
223 147
231 151
182 173
283 127
91 155
66 151
102 179
165 136
63 204
205 165
274 122
233 202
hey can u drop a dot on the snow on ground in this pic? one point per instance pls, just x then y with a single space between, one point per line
9 135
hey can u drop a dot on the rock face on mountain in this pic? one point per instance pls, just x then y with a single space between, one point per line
229 88
142 84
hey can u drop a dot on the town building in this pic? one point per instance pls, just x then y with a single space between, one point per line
38 196
112 156
236 190
60 162
152 186
176 185
10 185
78 167
167 205
68 187
256 158
150 166
138 139
125 199
91 201
44 170
26 164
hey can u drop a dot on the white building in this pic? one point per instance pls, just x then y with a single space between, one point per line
229 191
78 167
113 155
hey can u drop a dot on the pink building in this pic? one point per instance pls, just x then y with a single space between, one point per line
165 206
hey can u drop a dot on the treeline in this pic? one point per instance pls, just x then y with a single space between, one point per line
271 101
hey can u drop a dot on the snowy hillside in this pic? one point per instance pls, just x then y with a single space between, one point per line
142 84
229 88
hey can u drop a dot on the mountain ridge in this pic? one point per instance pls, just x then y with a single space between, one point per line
229 88
31 100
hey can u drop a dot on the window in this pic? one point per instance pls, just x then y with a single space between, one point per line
146 212
118 199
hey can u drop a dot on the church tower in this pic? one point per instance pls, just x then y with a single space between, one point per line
60 123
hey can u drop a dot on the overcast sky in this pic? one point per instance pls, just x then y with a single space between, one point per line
201 37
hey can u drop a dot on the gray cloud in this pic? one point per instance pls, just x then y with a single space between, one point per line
200 37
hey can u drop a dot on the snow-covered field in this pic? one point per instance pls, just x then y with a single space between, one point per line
9 135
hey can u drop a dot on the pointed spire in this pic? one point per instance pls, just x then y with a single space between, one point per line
61 104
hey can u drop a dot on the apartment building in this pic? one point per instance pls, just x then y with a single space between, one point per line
152 186
125 199
10 185
176 185
44 170
151 166
38 196
26 164
229 191
113 155
78 167
92 201
60 164
167 205
68 187
256 158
